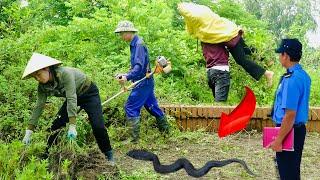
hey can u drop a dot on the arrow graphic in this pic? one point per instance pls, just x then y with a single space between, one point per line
239 118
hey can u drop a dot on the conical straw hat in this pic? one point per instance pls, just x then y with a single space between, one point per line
37 62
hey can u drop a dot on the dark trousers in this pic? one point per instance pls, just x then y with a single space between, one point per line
240 54
289 161
91 103
219 82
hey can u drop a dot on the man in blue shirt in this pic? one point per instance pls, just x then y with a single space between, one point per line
291 108
143 93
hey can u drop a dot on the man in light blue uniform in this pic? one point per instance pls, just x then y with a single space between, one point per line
143 93
291 108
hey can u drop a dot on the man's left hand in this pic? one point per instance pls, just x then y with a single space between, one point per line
276 146
122 79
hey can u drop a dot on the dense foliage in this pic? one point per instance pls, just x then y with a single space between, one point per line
80 33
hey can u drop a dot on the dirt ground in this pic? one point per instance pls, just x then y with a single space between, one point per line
200 147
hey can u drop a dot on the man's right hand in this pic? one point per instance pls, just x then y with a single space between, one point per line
27 137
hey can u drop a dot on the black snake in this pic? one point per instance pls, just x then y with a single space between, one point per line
183 163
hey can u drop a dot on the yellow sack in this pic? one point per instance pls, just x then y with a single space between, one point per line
206 25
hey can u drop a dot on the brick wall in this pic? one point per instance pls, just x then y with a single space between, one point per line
207 117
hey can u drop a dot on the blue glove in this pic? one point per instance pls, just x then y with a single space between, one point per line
27 137
72 132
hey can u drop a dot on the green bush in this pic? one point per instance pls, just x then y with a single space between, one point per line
81 34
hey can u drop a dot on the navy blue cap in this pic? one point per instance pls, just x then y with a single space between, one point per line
292 47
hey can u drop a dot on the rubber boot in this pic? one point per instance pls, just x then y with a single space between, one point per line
134 125
162 124
110 158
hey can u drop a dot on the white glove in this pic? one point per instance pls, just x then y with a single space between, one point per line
27 137
72 132
122 78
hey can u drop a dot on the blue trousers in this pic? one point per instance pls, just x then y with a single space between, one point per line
139 97
289 161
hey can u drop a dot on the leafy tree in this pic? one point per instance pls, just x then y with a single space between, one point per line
283 16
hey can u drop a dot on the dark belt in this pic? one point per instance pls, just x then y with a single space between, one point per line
295 125
298 125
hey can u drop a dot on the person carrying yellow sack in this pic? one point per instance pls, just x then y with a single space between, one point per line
210 28
77 89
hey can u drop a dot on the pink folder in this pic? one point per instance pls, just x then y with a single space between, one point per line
270 134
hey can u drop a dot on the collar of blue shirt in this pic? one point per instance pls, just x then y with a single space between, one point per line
134 40
294 67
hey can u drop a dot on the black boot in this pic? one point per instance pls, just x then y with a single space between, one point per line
110 157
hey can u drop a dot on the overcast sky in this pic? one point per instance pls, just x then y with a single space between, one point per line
314 37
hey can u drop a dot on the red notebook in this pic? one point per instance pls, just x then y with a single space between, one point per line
270 134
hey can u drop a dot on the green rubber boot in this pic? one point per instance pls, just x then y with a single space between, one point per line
134 125
162 124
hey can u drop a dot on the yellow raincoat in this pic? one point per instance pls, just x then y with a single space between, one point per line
206 25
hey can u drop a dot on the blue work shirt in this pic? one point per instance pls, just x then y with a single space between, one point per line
139 59
293 94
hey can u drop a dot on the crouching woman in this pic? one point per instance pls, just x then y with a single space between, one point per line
77 89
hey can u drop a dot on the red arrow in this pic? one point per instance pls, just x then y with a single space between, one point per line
239 117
